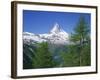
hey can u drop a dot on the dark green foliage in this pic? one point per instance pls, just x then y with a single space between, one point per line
71 57
81 31
86 56
43 58
78 53
28 54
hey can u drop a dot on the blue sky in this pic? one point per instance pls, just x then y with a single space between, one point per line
42 21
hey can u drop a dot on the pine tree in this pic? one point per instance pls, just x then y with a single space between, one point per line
70 57
81 37
43 57
78 52
28 54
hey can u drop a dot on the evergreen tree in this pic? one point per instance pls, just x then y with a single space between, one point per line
43 57
70 58
28 54
78 52
81 37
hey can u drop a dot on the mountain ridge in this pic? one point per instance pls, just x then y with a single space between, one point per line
55 36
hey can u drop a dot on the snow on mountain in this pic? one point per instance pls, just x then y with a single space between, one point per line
56 28
30 37
55 36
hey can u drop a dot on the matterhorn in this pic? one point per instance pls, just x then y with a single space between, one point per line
55 36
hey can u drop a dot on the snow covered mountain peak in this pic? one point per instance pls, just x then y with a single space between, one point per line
56 28
56 36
